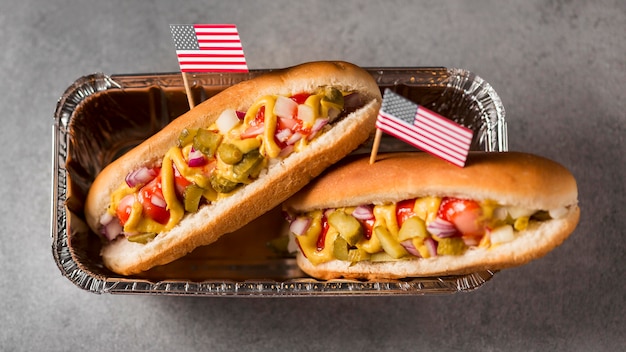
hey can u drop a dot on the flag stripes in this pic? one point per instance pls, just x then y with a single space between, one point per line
209 48
428 130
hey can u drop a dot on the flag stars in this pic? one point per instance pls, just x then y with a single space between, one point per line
184 37
399 107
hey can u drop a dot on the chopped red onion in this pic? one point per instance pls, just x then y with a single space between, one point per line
294 138
300 225
287 216
253 131
317 126
180 189
287 123
284 135
319 123
196 158
286 151
106 218
111 227
408 245
431 245
442 228
363 212
240 114
140 177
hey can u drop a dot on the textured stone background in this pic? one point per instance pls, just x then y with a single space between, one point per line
558 66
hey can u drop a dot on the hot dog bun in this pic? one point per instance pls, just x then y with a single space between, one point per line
510 178
269 190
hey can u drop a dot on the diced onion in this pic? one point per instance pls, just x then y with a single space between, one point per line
240 114
408 245
518 212
471 241
111 227
333 113
502 234
558 212
306 114
158 201
363 212
300 225
196 158
140 177
285 107
500 213
227 120
442 228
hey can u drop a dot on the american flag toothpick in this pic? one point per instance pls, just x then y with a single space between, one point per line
207 48
421 128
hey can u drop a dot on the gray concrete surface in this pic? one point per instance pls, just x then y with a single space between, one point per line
559 67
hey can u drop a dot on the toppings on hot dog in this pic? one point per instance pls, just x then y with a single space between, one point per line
410 215
229 160
209 163
420 227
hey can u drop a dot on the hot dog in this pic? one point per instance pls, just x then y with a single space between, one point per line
227 161
411 214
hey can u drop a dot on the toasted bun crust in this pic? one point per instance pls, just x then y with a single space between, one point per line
509 178
281 181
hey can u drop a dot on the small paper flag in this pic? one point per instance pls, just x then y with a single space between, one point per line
208 48
424 129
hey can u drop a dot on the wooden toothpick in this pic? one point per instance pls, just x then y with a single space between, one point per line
376 145
188 91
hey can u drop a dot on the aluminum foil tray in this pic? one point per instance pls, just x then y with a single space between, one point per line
99 117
